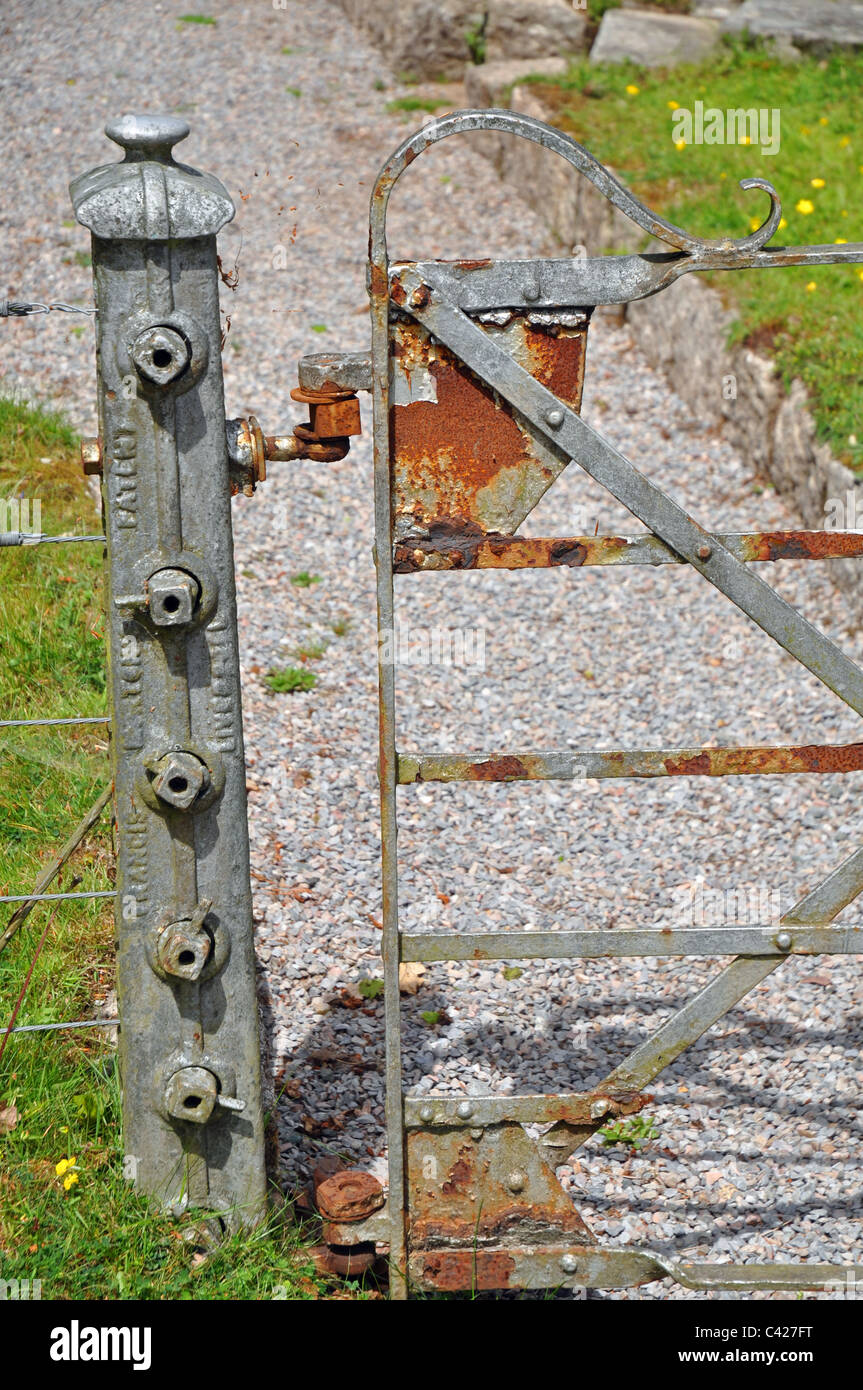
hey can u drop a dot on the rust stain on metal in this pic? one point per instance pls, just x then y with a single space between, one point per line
718 762
452 1270
448 545
378 282
506 769
347 1260
557 361
458 444
460 1175
804 545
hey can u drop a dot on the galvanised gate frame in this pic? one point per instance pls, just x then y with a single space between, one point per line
477 375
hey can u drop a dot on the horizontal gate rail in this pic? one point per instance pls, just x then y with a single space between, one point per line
473 1201
595 764
573 552
622 941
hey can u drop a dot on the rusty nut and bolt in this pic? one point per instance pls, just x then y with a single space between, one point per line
192 1093
349 1196
180 779
183 949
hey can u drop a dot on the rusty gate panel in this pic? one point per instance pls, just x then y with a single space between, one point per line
465 463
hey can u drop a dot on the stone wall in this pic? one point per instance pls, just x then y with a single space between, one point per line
436 38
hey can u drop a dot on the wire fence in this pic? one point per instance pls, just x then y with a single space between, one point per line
25 902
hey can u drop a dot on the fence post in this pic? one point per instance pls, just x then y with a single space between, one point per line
189 1042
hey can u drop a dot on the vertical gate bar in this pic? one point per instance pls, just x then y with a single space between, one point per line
388 765
189 1042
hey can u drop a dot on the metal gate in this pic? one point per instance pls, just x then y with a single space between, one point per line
477 372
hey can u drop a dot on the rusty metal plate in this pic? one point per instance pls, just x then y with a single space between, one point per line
485 1186
465 463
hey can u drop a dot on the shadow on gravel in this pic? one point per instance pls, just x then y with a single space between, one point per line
329 1094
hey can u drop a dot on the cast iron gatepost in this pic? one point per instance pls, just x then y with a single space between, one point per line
189 1042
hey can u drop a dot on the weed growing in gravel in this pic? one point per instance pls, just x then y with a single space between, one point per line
313 651
371 989
197 19
341 627
635 1132
303 580
290 679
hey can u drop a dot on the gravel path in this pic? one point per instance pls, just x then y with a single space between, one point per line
758 1154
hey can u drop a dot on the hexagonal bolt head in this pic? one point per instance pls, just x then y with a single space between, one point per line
191 1095
183 950
161 355
171 597
180 779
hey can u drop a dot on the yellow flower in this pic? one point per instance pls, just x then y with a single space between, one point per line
673 105
70 1181
822 120
804 130
860 273
845 142
818 183
723 175
812 286
841 241
805 207
632 90
754 224
61 1167
783 223
64 1129
680 144
745 140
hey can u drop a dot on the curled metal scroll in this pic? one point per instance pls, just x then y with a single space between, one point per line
528 128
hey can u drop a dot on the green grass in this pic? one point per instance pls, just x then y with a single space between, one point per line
289 679
197 19
430 104
98 1239
810 320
